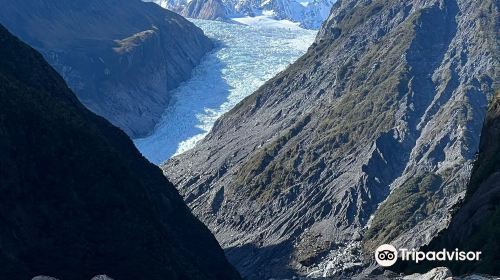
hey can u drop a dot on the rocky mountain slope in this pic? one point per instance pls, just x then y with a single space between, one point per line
120 57
309 14
438 273
76 198
476 224
387 105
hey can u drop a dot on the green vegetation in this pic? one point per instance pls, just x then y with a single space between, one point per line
372 89
486 237
405 207
475 225
261 184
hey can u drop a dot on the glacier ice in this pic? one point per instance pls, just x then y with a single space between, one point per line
246 57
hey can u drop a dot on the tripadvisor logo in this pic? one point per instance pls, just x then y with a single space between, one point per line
386 255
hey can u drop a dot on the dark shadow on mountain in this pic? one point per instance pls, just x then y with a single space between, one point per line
76 197
253 262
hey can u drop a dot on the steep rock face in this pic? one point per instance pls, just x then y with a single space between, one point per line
120 57
309 14
76 198
391 95
476 224
210 9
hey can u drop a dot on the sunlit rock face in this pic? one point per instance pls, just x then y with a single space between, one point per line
121 58
387 105
475 225
308 14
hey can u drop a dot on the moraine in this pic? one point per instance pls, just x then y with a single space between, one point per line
245 57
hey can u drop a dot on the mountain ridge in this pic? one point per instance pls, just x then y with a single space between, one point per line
77 198
120 57
475 223
290 179
308 14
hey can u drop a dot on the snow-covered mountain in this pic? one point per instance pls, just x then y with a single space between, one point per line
308 13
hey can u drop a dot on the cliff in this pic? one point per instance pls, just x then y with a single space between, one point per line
476 224
308 14
121 58
76 198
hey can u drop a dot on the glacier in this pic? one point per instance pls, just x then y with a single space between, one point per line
246 56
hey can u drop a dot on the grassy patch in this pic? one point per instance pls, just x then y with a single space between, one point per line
405 207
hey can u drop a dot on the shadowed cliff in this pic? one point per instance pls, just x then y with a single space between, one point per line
76 197
121 58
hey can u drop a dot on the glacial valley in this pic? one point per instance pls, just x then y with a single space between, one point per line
245 57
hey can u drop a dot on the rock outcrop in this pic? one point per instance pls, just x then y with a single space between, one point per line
476 224
121 58
387 105
205 9
76 198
